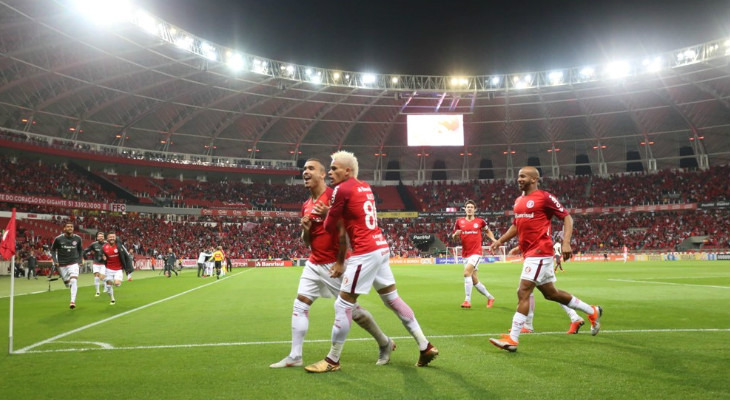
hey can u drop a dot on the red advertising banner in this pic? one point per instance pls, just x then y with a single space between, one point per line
63 203
642 208
220 212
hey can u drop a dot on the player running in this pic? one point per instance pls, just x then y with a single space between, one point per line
317 280
66 252
469 229
97 267
532 214
354 203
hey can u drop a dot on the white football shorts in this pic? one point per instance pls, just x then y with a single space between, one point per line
98 268
538 270
474 260
316 282
365 271
69 271
114 275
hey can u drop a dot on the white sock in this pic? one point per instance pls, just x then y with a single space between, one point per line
483 290
518 321
74 289
299 327
531 312
577 304
111 292
574 317
341 327
468 285
366 321
406 315
96 283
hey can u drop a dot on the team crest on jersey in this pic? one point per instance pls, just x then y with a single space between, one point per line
528 269
73 243
476 225
116 251
530 204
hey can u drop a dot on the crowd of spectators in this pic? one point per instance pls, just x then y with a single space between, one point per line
137 154
631 189
21 176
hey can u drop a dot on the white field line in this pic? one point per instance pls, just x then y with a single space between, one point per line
62 335
670 283
106 346
24 294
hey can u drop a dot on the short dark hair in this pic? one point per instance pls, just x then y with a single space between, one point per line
466 203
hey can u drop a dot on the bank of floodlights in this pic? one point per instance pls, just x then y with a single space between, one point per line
108 13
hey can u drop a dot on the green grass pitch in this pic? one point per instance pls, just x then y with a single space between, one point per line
666 334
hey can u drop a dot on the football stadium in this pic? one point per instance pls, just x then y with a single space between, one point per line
165 198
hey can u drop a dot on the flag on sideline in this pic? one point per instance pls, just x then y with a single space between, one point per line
7 247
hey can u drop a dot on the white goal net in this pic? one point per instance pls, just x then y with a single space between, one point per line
486 251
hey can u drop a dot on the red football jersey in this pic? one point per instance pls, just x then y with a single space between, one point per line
113 261
353 201
471 235
324 244
533 213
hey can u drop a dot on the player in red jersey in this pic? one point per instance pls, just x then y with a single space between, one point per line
469 229
354 203
114 275
328 255
533 212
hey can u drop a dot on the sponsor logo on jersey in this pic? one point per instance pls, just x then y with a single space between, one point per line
525 215
556 202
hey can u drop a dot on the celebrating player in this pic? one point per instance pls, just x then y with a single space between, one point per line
328 256
115 257
353 201
66 253
98 265
533 211
469 229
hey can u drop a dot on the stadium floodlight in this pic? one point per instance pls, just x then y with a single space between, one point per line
495 80
147 22
209 51
394 79
235 62
652 64
308 71
555 77
369 79
184 42
316 77
617 69
336 75
587 72
260 66
105 13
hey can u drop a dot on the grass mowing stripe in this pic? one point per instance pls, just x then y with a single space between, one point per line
670 283
87 326
107 346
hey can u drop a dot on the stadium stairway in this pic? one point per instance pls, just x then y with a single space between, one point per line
409 203
105 183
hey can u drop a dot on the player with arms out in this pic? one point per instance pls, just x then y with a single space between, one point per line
97 267
469 229
533 211
353 202
317 280
114 254
66 252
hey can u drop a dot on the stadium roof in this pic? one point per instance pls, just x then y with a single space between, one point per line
66 76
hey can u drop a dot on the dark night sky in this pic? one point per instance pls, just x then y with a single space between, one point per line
476 37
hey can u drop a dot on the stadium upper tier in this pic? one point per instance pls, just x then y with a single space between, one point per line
144 84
